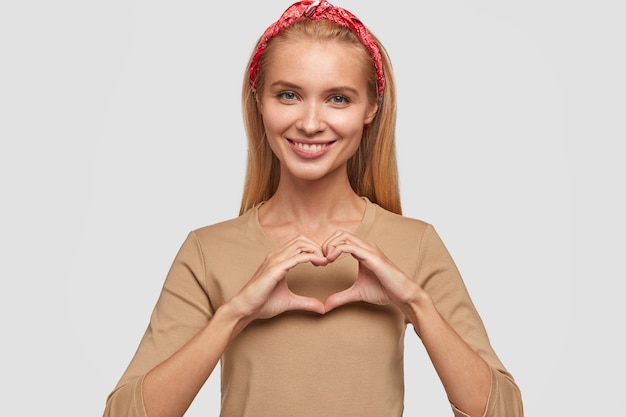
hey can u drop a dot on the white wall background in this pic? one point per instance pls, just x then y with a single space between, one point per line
120 131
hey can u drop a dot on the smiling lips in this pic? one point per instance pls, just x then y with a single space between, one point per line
310 149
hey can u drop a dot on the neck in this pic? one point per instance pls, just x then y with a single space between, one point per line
314 208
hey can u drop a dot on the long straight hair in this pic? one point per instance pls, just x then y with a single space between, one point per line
372 171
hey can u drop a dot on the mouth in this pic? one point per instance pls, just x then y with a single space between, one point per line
310 147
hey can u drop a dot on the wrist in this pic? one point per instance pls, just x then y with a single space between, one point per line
418 309
233 317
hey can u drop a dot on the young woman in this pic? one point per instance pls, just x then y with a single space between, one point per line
305 297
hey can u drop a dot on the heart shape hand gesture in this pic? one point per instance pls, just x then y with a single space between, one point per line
378 280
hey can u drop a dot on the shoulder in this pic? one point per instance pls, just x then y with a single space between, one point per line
236 231
405 240
232 225
402 233
388 222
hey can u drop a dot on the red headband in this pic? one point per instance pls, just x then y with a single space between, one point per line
320 10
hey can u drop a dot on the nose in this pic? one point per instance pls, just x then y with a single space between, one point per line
310 121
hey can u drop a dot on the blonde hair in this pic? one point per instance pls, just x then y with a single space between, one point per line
372 171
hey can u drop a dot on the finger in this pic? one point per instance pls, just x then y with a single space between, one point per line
301 258
273 271
302 303
296 251
331 237
346 243
332 247
301 244
341 298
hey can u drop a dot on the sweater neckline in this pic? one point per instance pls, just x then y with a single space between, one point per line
362 230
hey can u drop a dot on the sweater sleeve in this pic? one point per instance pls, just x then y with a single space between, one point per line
439 276
183 308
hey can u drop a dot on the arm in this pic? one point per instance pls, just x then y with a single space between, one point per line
436 303
170 387
465 376
185 340
183 315
438 275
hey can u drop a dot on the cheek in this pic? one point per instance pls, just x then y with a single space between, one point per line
274 125
275 121
349 124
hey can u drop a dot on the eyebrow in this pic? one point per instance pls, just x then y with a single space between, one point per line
289 85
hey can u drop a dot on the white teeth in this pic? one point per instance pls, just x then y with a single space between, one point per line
309 147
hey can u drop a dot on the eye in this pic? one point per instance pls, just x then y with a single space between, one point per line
287 95
339 100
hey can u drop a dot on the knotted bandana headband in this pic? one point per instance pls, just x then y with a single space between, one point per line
320 10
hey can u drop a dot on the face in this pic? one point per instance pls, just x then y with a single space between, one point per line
314 106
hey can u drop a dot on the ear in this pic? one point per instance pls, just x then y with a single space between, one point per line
370 114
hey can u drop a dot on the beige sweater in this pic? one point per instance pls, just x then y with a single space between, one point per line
346 363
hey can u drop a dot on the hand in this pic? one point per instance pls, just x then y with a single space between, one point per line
267 295
378 280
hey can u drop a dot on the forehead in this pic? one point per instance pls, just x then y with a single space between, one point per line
308 61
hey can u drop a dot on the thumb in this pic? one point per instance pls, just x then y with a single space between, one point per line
341 298
299 302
